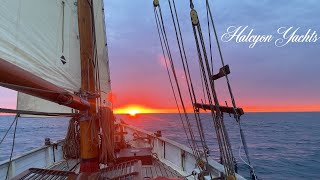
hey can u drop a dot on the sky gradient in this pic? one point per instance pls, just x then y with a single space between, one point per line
263 78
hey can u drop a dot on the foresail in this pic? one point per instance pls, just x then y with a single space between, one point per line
102 52
41 36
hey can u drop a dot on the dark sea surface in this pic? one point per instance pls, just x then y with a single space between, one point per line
281 145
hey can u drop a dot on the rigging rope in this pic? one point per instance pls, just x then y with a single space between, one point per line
96 60
243 141
5 135
210 48
206 72
71 146
188 76
13 143
202 86
105 115
223 140
171 83
221 57
107 136
160 25
222 136
237 117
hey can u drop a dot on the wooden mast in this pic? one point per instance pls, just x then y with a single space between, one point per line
88 149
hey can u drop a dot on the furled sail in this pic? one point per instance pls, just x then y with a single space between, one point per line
41 36
102 53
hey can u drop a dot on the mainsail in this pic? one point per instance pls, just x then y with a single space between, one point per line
45 41
102 53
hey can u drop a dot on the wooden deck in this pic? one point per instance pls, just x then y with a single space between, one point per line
70 165
158 169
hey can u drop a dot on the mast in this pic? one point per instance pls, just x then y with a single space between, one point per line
88 152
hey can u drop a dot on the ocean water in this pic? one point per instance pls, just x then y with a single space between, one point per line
281 145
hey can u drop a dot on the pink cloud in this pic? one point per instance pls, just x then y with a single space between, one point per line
8 98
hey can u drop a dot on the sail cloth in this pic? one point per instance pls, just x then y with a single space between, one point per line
35 34
31 103
106 115
42 37
102 53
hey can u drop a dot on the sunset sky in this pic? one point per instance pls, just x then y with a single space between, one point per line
263 78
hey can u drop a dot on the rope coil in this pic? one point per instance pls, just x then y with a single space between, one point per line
71 146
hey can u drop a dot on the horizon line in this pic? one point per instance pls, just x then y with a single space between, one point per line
225 113
316 111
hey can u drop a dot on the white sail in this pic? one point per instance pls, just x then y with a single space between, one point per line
34 34
31 103
35 39
102 52
42 37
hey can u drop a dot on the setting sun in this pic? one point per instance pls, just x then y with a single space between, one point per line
133 112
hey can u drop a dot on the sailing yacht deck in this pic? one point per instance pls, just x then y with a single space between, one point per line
170 159
70 165
67 169
158 169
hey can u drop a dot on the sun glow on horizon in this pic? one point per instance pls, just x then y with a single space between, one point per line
133 110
